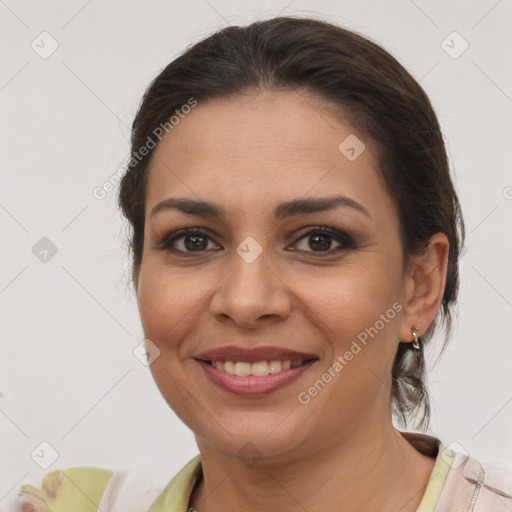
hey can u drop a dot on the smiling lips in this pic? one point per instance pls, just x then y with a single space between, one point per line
254 371
259 361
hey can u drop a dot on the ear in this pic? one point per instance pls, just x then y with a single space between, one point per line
424 284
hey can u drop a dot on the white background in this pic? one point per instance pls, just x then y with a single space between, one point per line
68 326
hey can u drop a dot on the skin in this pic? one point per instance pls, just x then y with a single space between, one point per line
341 450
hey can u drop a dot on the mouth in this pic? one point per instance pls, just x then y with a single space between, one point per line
253 371
254 379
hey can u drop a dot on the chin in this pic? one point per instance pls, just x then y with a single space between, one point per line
251 445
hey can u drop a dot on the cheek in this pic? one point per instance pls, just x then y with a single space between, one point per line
357 311
167 313
169 303
158 302
352 297
153 301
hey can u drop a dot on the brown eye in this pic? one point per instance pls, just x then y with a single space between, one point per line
194 242
185 241
321 238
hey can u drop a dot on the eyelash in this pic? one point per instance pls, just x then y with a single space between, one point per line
346 241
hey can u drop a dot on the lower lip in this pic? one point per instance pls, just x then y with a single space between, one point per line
252 385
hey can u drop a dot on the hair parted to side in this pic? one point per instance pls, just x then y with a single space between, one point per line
365 86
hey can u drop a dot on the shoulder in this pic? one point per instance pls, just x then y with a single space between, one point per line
479 486
88 489
495 491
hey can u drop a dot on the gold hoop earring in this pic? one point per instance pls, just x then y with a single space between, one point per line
415 345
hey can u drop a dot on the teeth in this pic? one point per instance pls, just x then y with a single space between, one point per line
229 366
259 369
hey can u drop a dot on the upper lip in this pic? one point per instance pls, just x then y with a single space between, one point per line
253 355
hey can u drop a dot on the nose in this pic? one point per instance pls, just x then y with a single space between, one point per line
251 293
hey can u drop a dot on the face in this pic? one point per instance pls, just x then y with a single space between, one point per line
251 278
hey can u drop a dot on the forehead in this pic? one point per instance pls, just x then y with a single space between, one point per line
262 147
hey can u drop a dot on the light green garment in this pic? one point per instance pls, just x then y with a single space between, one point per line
79 489
176 496
437 478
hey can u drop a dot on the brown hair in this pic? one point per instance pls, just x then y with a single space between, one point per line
364 84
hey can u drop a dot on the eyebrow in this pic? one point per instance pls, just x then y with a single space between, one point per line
283 210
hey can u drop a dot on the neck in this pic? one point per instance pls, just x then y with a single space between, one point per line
368 470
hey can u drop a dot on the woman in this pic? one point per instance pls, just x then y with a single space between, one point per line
296 237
